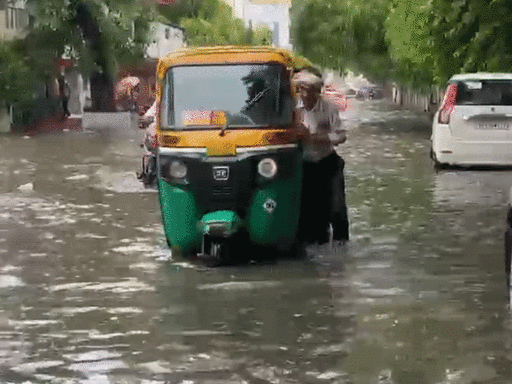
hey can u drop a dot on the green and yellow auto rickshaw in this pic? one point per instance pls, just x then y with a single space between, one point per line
229 159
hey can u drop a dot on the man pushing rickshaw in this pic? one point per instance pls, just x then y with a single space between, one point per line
230 145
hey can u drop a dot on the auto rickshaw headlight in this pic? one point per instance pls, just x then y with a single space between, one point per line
177 169
267 168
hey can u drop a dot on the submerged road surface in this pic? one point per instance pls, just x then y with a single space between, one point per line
89 292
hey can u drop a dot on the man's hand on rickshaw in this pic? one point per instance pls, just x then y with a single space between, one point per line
150 139
319 138
145 121
303 132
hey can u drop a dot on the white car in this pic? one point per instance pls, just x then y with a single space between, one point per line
473 126
508 241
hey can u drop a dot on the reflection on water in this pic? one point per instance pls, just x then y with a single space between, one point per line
91 294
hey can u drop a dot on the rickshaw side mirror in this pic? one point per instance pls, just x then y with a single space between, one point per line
144 121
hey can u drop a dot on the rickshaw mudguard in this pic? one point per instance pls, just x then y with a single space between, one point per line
273 216
180 216
220 224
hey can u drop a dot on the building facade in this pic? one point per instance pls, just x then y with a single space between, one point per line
14 22
164 39
275 14
14 19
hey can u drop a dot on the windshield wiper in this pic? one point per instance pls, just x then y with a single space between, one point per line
255 99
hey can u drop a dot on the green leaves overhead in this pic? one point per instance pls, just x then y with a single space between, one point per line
111 23
344 34
17 80
262 35
408 35
416 42
214 25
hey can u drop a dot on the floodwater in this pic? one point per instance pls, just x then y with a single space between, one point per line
89 292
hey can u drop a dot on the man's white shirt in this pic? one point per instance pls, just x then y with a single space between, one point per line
323 114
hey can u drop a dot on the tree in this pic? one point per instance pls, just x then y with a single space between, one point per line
262 35
17 82
430 40
213 24
408 34
345 34
471 35
98 35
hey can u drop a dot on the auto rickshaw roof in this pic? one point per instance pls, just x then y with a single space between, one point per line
231 55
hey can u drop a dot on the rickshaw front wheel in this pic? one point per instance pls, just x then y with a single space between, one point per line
219 253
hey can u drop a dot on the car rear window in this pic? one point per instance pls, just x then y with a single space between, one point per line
485 92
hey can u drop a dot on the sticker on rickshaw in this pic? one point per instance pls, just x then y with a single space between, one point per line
269 205
208 118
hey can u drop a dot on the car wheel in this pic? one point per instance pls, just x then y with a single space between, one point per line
437 164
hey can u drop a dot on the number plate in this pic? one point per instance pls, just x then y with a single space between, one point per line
494 126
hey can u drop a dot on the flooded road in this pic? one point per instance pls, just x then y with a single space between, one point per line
91 294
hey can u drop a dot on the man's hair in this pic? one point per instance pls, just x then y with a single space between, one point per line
305 77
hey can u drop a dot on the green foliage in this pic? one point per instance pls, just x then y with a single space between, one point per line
262 35
185 9
435 39
214 24
122 26
418 43
408 34
56 32
17 82
344 34
475 33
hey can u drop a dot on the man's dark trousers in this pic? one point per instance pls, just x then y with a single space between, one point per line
323 201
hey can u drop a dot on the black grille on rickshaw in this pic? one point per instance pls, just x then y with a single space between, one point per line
226 191
231 194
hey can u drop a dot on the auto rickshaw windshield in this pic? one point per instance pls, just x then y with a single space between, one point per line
238 95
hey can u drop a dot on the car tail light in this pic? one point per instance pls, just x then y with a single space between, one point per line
449 102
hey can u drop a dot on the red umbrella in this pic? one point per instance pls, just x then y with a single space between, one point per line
126 85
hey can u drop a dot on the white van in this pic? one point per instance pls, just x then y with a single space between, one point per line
473 126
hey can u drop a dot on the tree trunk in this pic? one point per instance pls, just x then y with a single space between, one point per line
102 93
102 85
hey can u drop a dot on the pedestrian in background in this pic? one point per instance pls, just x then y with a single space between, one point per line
323 188
148 172
64 94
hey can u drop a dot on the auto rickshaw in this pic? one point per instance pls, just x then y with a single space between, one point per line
229 160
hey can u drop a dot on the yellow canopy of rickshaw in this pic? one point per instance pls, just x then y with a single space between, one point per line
231 55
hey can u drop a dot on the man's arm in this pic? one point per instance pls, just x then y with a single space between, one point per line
337 133
335 128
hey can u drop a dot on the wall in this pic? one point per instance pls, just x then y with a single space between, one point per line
275 16
411 99
5 119
165 39
13 20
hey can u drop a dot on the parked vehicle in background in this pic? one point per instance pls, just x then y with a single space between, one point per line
336 96
473 126
508 239
369 92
